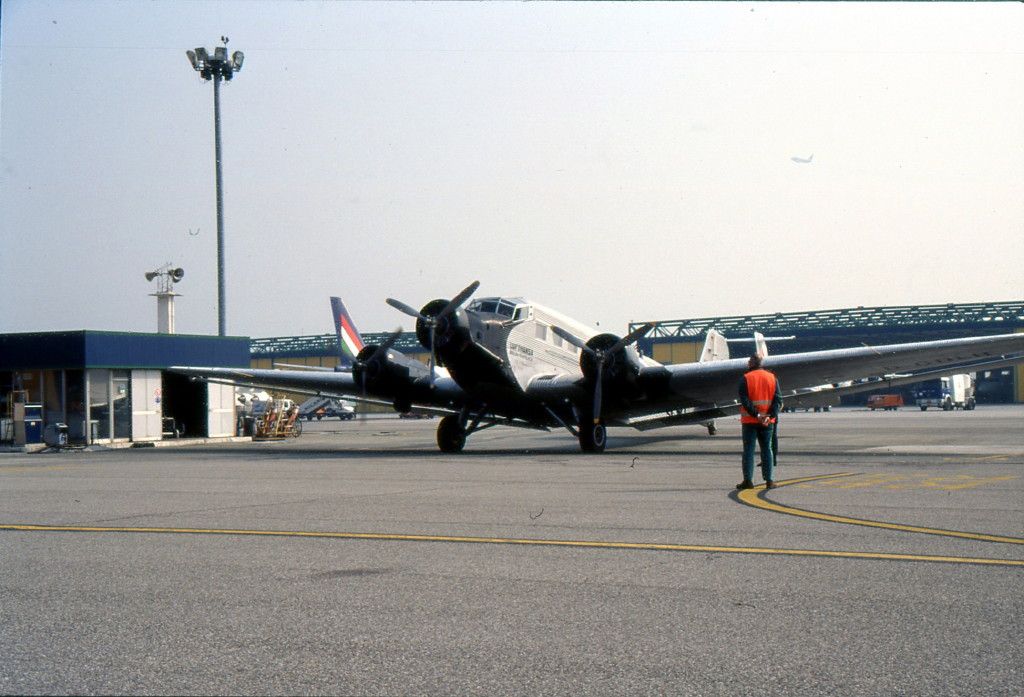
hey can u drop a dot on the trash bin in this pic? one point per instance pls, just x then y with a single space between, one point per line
56 435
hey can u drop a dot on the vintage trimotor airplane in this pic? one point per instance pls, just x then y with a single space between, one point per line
510 361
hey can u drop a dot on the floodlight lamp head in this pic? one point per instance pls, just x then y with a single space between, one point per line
236 59
202 55
220 53
192 59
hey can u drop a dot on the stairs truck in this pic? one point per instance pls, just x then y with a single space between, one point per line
949 393
319 407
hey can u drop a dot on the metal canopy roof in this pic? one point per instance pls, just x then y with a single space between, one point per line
323 345
1006 316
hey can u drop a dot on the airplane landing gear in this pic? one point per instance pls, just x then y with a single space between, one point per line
451 435
593 437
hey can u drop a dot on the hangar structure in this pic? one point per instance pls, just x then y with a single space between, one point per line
320 350
681 341
110 387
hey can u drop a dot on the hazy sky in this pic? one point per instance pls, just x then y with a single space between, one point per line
615 161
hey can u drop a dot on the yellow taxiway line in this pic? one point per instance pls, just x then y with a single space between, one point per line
525 541
755 497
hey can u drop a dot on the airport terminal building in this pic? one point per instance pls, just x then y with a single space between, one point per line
111 387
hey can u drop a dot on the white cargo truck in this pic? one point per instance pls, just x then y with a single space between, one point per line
949 393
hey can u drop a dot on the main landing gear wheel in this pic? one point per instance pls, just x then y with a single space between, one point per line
451 436
593 437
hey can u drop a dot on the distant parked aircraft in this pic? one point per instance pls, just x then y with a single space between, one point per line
802 160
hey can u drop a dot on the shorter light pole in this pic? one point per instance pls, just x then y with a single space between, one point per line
215 68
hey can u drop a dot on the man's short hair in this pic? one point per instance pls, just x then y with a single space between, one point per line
755 361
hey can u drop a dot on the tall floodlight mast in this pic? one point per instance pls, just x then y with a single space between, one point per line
216 68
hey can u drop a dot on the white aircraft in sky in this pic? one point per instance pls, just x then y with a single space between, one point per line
510 361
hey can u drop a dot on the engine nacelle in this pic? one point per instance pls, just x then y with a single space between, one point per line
620 368
450 331
386 374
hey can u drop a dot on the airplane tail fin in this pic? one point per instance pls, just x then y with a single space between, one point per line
716 348
350 343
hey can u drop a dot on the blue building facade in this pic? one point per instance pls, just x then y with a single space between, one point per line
104 387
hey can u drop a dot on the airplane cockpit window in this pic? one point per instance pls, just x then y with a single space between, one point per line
500 306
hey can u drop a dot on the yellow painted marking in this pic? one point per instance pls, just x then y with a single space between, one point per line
533 542
754 497
32 468
898 482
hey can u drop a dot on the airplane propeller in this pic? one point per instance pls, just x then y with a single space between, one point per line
600 354
432 322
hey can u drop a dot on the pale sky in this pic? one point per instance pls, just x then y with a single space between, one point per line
618 162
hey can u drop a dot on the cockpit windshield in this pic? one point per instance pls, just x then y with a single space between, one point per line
508 308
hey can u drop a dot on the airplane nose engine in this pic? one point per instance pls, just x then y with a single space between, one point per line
449 330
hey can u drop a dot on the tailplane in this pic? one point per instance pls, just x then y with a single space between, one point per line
716 348
350 343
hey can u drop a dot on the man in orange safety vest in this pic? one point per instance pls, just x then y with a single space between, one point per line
760 402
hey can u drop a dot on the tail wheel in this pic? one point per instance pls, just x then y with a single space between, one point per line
593 437
451 436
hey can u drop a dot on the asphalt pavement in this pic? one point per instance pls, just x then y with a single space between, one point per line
357 559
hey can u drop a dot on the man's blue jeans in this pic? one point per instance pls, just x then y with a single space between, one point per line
762 435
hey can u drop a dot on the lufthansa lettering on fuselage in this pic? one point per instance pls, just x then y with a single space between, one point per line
521 350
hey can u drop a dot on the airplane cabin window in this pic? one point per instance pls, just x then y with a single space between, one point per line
542 332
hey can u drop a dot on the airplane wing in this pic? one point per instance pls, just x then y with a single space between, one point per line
684 391
818 395
401 391
330 384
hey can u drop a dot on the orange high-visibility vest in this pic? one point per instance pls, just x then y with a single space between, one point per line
761 390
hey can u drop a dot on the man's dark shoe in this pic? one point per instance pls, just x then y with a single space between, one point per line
745 484
769 485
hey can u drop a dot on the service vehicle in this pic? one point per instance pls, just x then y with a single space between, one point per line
319 407
887 402
947 393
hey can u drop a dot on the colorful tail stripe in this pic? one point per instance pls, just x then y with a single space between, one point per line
349 341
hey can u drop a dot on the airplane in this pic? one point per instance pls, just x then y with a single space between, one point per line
803 160
506 360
